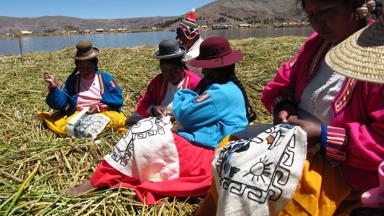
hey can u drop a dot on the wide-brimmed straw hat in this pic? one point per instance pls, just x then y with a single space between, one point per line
216 52
361 56
85 51
169 49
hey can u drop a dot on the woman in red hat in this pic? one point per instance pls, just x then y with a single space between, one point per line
85 88
217 107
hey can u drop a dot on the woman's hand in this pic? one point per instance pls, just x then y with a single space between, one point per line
160 110
50 79
283 112
93 109
312 129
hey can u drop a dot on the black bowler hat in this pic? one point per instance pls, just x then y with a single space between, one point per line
169 49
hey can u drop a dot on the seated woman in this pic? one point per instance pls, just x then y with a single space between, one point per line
87 88
157 100
217 107
369 45
342 116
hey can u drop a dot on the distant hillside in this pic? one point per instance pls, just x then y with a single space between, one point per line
250 11
217 12
59 23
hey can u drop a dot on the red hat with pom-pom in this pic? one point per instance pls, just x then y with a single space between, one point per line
189 25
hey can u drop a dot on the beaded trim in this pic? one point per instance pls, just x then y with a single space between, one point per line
344 96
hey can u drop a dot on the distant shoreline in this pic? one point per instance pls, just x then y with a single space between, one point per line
28 44
212 27
48 34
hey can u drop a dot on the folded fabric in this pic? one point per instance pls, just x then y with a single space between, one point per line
147 151
58 121
375 196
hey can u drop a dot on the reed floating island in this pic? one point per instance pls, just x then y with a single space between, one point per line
37 167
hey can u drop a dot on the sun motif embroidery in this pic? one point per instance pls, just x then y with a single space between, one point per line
260 169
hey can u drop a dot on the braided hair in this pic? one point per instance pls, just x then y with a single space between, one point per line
251 115
227 74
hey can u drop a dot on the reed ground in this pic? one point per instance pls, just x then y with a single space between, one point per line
37 167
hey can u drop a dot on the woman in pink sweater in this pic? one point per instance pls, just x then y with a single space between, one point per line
157 100
341 115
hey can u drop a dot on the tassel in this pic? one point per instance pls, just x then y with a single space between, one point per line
362 11
371 5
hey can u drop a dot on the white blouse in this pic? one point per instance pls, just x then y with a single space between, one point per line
318 95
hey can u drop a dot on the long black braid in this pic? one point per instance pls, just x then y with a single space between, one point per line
251 115
227 74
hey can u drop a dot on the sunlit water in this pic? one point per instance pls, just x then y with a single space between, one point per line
52 43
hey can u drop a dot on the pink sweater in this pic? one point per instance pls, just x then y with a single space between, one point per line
356 134
89 93
157 90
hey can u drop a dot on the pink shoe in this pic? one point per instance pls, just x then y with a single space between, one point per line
375 196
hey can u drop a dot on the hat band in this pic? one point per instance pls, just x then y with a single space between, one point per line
218 53
173 52
82 54
90 54
189 23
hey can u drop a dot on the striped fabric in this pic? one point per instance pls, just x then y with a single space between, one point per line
102 87
185 83
112 83
336 141
189 22
189 25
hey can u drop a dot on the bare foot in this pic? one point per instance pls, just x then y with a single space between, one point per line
86 186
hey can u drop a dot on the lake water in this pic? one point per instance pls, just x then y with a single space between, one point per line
52 43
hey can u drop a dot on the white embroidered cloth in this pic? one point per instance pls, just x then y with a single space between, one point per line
87 125
147 151
258 176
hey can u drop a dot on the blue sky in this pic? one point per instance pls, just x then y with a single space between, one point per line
93 9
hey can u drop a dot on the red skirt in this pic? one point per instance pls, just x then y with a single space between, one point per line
195 175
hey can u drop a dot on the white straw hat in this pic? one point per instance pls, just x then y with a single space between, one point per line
361 56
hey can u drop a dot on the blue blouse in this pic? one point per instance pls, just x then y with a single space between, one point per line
209 117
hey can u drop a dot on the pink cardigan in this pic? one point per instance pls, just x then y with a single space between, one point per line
356 134
157 89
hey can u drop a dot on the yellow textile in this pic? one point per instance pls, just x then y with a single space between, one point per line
226 140
57 122
319 192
